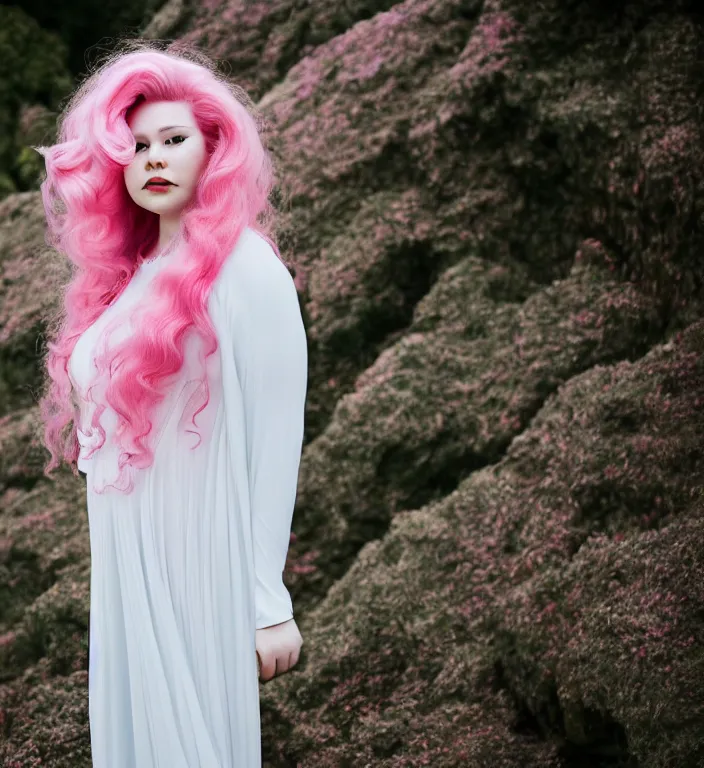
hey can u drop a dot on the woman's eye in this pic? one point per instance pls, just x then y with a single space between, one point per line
172 139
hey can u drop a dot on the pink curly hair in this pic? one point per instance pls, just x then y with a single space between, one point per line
92 220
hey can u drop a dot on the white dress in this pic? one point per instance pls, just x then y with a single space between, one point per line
186 567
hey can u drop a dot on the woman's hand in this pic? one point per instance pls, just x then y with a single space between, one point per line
278 648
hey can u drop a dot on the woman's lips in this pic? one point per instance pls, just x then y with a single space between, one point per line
159 186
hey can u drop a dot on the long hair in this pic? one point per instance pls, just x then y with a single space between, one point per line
94 222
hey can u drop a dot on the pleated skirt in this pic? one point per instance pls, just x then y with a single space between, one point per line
172 668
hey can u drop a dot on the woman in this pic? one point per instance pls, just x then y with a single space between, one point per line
180 371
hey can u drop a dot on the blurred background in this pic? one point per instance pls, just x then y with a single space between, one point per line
494 211
46 47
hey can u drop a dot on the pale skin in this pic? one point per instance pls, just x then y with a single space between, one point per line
179 155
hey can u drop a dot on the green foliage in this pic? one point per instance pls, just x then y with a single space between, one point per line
33 70
82 24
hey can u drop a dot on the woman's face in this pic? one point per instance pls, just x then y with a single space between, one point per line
168 145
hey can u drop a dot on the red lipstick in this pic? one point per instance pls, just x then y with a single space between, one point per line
158 184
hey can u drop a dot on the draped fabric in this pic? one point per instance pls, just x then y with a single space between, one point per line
187 566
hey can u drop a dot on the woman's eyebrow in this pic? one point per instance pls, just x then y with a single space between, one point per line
165 128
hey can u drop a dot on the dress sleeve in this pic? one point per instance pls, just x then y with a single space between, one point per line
271 354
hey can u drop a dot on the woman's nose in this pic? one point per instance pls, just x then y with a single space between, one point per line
155 155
